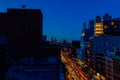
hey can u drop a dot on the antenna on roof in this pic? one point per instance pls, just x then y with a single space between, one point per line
23 6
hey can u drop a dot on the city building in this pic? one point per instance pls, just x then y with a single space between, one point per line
28 54
112 66
23 28
100 64
75 45
107 26
102 45
47 69
98 29
97 41
86 43
111 25
46 64
106 43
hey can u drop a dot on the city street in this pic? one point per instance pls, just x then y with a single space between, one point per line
72 68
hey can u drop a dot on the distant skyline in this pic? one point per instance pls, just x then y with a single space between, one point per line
63 19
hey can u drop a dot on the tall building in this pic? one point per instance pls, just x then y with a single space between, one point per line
105 38
23 28
107 25
27 55
85 42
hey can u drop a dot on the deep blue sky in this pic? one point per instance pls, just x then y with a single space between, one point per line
64 18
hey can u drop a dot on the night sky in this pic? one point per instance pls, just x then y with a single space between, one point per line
63 19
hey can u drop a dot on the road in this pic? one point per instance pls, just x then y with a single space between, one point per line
76 66
79 75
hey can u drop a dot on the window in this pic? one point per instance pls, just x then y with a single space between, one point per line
112 23
105 27
115 26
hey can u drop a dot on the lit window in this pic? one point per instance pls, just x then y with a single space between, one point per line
105 27
83 34
88 59
112 23
115 26
88 52
99 32
98 29
98 24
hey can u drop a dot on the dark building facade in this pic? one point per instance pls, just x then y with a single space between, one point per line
3 53
76 44
23 28
112 26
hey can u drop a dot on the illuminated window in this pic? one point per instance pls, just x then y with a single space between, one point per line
98 24
88 52
88 59
83 34
105 27
99 32
98 29
115 26
112 23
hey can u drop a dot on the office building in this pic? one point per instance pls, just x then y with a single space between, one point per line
107 26
23 28
86 44
105 38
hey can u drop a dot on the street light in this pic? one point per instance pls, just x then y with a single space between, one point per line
98 74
